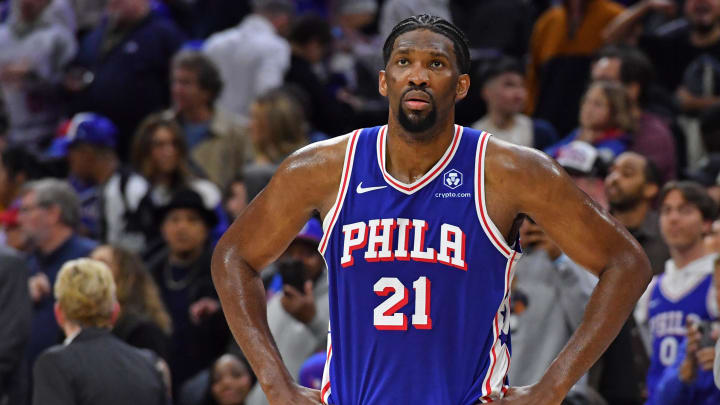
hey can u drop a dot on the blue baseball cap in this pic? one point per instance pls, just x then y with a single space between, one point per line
311 372
85 127
312 231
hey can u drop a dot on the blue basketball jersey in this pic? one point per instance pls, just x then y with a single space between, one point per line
667 313
419 281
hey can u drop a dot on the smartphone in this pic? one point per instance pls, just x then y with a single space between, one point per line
705 329
293 274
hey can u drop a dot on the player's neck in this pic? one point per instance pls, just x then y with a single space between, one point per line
409 157
684 256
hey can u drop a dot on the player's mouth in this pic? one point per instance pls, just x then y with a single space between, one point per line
417 100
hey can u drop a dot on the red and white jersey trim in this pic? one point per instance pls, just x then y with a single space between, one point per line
331 217
427 177
325 389
487 224
493 383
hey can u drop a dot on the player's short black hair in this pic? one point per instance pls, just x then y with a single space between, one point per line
434 24
310 28
496 67
695 194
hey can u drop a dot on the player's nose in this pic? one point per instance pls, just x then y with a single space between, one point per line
418 75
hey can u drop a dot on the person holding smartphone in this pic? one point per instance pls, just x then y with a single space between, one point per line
690 380
298 317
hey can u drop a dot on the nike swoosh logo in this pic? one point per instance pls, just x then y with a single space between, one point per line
361 190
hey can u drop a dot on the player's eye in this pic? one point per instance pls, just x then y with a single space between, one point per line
402 61
437 64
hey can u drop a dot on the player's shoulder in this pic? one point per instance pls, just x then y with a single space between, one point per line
319 162
509 159
326 154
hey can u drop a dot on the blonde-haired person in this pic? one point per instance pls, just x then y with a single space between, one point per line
143 321
92 366
278 126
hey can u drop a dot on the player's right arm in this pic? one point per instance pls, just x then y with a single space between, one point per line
306 181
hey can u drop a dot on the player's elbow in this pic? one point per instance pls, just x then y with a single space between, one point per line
224 255
638 272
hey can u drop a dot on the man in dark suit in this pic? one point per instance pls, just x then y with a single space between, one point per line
15 321
92 366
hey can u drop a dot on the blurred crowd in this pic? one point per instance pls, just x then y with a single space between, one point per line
133 132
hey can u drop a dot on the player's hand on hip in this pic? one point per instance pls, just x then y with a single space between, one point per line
297 395
528 395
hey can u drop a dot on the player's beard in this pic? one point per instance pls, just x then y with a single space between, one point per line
416 122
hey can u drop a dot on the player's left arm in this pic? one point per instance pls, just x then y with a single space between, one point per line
524 181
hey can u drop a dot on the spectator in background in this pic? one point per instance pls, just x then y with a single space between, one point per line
653 137
707 175
700 88
143 322
236 197
252 57
182 273
89 14
35 49
92 366
685 289
310 40
230 381
690 379
673 46
161 155
493 26
218 144
17 166
549 297
631 186
503 88
11 234
49 215
606 122
15 320
122 67
111 195
277 126
298 317
561 47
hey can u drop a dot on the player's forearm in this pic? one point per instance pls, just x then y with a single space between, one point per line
615 295
242 296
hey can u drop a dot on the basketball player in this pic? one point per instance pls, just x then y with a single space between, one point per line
420 221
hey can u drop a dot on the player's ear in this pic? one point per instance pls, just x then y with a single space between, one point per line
463 85
382 84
